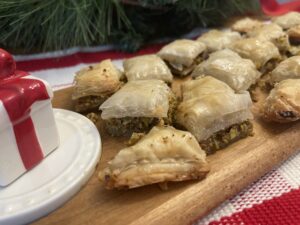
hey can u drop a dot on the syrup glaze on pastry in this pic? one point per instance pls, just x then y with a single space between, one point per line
183 55
94 84
229 67
164 154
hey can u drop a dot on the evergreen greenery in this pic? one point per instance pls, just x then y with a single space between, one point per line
43 25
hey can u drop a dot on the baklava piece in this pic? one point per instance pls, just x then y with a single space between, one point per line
287 69
216 118
147 67
291 23
229 67
164 154
283 103
264 54
245 25
183 55
137 107
94 84
288 20
217 40
274 33
201 86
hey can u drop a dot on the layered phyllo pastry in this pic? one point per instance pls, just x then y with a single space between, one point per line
94 84
264 54
217 117
287 20
164 154
225 65
183 55
287 69
147 67
283 103
217 40
272 32
245 25
201 86
137 107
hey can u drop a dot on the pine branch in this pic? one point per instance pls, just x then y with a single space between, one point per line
58 24
36 25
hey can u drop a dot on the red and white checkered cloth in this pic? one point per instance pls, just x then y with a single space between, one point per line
274 199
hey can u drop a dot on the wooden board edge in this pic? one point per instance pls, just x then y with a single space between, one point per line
198 200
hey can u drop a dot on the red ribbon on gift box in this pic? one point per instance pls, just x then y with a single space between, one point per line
17 95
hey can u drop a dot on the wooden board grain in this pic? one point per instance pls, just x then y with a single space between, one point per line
232 169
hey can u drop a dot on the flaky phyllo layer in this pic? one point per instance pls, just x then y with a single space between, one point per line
94 84
283 103
138 106
214 110
183 55
229 67
217 40
287 69
147 67
246 25
100 79
273 33
140 98
259 51
287 20
164 154
127 125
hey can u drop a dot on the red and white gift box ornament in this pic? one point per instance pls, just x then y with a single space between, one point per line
28 131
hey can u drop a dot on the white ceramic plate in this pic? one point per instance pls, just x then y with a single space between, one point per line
58 177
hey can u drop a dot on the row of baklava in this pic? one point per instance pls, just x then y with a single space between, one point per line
214 107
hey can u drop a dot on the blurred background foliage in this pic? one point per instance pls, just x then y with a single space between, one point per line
37 25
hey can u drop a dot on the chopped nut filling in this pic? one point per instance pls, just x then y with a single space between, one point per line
94 117
269 66
128 125
89 103
225 137
182 71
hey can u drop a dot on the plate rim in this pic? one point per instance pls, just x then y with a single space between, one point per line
61 197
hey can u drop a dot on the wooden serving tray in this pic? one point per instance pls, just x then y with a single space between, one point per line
232 169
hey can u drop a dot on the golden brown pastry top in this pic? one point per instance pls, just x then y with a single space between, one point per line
283 103
208 113
271 32
267 32
287 20
230 68
164 154
203 85
182 51
217 40
139 98
260 52
97 80
289 68
245 25
147 67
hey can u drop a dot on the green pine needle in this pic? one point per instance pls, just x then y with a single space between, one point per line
37 25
